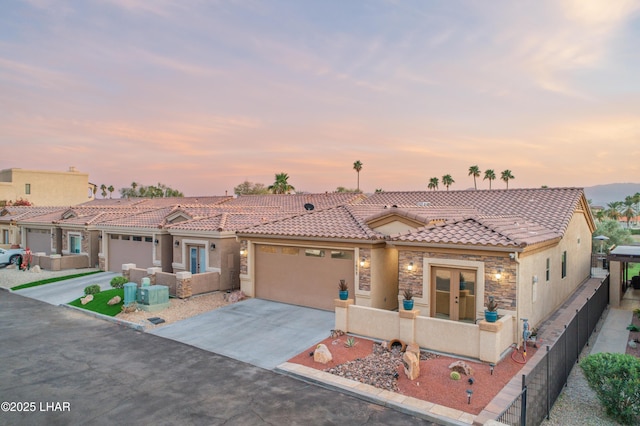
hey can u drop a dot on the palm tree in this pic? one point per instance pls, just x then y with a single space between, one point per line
110 189
103 187
613 210
281 185
447 181
433 183
134 185
475 172
489 174
629 211
357 166
505 176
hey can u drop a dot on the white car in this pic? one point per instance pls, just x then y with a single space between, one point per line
11 256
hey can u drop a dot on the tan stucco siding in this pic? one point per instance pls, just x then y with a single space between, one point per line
46 188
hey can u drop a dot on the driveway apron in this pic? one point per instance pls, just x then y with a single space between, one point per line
256 331
65 291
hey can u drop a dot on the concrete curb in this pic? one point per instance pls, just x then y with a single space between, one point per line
129 324
404 404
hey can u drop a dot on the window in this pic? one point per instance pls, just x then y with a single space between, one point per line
335 254
5 236
564 264
548 270
148 239
27 188
314 253
74 243
137 238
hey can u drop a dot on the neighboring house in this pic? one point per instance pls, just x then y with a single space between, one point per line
10 232
45 188
528 248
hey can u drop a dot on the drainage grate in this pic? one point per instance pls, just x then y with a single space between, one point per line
155 320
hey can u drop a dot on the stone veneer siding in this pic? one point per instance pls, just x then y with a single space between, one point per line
243 259
364 272
503 291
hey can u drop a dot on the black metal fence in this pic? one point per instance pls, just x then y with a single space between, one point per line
542 386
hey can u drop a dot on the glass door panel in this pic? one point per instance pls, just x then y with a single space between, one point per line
443 293
467 305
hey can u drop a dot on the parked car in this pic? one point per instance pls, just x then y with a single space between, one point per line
11 256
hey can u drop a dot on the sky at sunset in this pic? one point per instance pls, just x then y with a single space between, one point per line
203 95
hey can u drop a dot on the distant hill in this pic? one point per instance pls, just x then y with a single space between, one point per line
601 195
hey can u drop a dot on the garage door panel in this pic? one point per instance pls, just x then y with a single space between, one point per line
129 251
300 279
39 241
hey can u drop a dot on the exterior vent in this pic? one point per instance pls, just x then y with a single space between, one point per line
423 203
309 206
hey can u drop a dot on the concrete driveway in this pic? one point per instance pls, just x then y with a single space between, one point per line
256 331
65 291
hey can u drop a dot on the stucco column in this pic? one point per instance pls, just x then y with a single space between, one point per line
342 314
615 283
183 285
490 341
407 326
126 270
56 261
151 272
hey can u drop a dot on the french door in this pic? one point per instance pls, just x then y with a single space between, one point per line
197 259
453 293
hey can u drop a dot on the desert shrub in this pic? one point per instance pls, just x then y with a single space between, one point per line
92 289
118 282
455 375
616 380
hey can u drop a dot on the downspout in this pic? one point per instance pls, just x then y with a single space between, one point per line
514 257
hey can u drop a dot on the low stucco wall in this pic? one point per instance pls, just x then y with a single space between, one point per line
448 336
373 322
56 262
205 282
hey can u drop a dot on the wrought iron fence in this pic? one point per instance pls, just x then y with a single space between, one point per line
544 383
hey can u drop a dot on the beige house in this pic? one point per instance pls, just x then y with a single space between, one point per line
528 248
45 188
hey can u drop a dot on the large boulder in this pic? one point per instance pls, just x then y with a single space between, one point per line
461 367
411 363
322 354
114 300
88 298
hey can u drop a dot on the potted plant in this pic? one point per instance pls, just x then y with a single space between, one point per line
491 313
407 302
343 290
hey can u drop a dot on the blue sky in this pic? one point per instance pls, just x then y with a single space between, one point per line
203 95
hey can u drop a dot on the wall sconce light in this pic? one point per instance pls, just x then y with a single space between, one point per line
156 242
499 273
212 247
362 261
176 244
242 252
99 236
410 266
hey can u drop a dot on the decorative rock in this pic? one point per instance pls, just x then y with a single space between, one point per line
36 269
461 367
114 300
413 347
88 298
411 364
633 344
322 354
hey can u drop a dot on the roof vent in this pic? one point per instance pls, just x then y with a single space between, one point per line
309 206
423 203
395 206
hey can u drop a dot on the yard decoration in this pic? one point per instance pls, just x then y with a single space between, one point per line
343 290
407 302
491 313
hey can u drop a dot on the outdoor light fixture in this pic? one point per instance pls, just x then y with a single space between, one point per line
156 242
212 247
242 252
410 267
362 261
491 366
499 273
176 244
469 392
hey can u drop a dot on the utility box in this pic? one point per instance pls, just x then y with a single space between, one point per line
130 293
153 298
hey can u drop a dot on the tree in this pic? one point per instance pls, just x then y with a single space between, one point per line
281 185
379 190
489 174
103 187
433 183
110 189
250 188
475 172
142 191
616 233
629 210
447 181
357 166
343 189
506 175
613 210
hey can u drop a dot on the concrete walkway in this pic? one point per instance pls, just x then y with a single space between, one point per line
65 291
613 336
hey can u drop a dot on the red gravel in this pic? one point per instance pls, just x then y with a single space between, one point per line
433 384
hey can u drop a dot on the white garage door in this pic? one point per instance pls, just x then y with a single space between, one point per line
302 276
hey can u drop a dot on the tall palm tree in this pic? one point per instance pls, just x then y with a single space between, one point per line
506 175
629 210
134 185
281 185
357 166
489 174
103 187
433 183
110 189
447 181
613 210
475 172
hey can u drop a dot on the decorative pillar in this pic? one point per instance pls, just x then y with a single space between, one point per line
490 340
151 273
342 314
407 327
183 285
126 270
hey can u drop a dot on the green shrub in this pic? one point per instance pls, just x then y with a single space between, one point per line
92 289
455 375
118 282
616 380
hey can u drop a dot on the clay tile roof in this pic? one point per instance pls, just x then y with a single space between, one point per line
335 222
296 202
154 218
227 221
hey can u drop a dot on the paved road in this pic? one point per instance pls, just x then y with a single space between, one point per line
68 290
111 374
260 332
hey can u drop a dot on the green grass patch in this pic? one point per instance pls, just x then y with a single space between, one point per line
634 269
52 280
99 302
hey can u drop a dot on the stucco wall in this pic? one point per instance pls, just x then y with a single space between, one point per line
48 188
